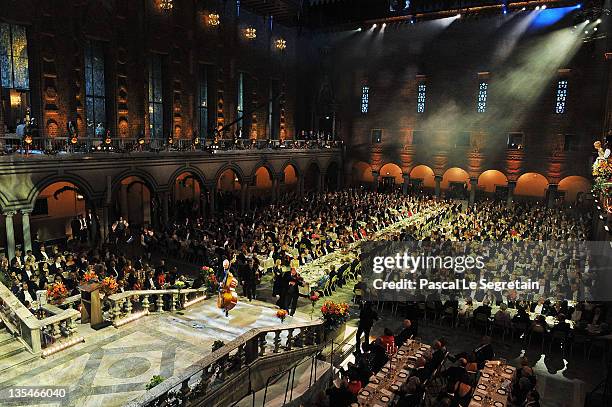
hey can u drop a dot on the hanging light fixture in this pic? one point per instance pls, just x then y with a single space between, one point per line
280 44
213 20
250 33
166 5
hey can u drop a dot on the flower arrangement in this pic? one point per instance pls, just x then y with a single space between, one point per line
57 293
90 275
334 314
314 297
281 314
179 284
109 286
155 380
210 279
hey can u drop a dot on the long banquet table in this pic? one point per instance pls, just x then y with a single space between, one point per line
492 389
380 392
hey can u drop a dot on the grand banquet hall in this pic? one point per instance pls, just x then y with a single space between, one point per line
315 203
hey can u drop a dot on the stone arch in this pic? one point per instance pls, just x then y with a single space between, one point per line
312 176
391 170
267 166
489 180
331 176
133 200
196 172
83 185
143 175
296 169
188 192
425 174
62 202
362 173
291 174
263 178
235 168
574 185
531 184
455 175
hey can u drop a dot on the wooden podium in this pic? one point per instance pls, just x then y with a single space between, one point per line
91 311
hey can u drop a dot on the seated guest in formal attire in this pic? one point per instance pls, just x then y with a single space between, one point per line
502 316
457 373
387 339
340 395
521 316
420 369
437 356
532 400
408 331
410 393
540 307
483 309
519 392
539 324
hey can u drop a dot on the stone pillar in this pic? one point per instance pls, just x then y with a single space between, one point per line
511 185
105 222
164 199
10 234
27 236
406 183
301 186
244 191
552 194
375 176
473 186
438 179
275 191
123 201
321 183
212 195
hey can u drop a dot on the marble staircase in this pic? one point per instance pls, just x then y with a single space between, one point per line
12 351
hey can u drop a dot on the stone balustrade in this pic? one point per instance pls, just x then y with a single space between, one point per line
124 305
219 378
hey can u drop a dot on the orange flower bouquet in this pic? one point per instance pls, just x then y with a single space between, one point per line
90 275
281 314
109 286
57 293
334 313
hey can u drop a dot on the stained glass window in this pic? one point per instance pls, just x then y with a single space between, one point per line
365 99
203 100
561 96
14 57
421 98
481 105
95 88
240 108
156 101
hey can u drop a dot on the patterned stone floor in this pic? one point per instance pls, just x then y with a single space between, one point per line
114 365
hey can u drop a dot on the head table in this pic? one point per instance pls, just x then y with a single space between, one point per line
493 385
381 391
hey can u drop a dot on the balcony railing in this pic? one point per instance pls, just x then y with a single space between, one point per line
224 376
52 146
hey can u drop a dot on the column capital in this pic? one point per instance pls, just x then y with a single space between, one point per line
406 177
438 177
26 212
9 213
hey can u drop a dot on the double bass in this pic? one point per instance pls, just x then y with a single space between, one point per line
227 297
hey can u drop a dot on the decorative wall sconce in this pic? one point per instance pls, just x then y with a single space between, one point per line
250 33
213 20
280 44
166 5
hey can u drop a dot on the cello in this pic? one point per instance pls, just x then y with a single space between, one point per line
227 298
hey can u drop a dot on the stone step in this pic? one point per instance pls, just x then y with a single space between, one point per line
5 337
22 357
11 348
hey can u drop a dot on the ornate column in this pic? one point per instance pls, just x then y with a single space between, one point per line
10 234
406 183
375 176
25 223
438 179
321 184
123 201
552 194
164 198
275 191
473 186
212 195
301 186
511 185
244 191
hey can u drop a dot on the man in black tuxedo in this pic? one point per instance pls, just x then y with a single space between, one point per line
93 227
484 351
409 330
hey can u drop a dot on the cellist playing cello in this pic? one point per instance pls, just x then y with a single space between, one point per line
227 297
